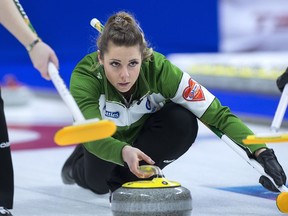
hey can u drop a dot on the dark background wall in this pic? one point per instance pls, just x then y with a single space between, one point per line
169 26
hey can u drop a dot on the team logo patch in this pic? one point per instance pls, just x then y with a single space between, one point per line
149 107
193 92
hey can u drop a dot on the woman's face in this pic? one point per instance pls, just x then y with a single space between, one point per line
122 66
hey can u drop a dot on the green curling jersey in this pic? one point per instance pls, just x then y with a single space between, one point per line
159 81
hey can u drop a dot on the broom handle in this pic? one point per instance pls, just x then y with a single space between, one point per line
64 92
279 114
242 153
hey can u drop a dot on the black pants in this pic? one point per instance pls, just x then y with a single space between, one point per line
166 135
6 168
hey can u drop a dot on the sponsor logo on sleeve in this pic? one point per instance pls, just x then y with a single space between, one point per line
193 92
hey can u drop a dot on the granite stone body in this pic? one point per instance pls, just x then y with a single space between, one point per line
174 201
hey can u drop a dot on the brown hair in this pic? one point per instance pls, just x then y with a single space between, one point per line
123 30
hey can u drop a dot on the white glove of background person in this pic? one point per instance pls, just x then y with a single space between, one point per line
41 55
132 156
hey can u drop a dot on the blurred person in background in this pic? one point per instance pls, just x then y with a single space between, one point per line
14 19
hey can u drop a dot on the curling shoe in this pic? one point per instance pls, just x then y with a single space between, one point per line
4 212
67 169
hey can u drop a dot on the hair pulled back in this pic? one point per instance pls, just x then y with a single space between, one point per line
122 30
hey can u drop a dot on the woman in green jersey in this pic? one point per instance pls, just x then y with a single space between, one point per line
155 106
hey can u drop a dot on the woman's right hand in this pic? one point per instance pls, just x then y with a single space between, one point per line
132 156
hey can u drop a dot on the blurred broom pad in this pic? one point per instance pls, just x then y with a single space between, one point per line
85 132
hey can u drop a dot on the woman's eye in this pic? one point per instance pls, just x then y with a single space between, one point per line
114 64
133 63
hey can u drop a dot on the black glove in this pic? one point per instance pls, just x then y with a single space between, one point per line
272 167
282 80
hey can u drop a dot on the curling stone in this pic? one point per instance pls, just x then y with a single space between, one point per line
156 197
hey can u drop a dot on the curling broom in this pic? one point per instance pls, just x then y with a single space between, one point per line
82 130
273 136
282 198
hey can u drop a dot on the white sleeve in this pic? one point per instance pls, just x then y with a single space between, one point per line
193 96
